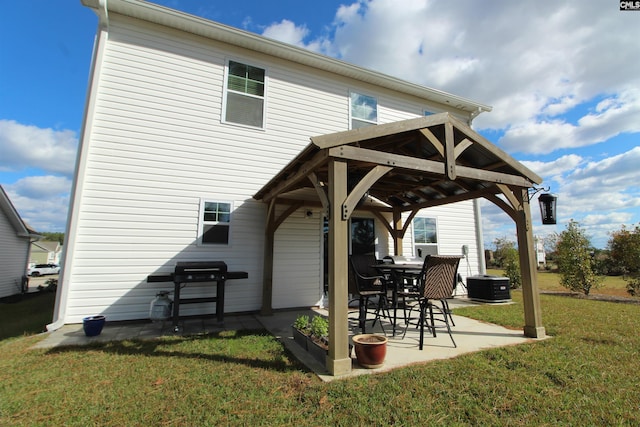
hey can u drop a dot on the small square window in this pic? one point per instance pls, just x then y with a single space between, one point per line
215 222
425 230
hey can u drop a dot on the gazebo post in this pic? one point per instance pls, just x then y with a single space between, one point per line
267 286
338 360
528 269
397 236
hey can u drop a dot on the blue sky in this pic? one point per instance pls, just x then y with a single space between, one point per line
563 79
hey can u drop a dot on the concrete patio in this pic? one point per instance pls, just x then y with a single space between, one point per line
470 335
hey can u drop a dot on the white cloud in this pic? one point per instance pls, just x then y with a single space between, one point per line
286 31
532 61
42 201
23 146
555 168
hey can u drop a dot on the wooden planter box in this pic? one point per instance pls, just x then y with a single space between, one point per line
318 351
299 338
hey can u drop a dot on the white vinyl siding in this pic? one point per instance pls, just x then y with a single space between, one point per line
158 143
297 264
14 251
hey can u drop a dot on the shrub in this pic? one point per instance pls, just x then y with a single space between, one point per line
302 323
319 327
633 287
575 260
511 262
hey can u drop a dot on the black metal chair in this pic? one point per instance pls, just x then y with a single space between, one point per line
367 283
436 283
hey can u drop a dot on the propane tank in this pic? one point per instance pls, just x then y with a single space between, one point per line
160 307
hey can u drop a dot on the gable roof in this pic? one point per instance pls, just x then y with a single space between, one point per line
406 165
21 228
215 31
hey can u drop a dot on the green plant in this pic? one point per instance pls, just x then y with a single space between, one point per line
633 287
575 261
320 327
302 323
512 268
52 285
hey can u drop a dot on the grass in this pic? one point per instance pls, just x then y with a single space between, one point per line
550 281
25 314
587 374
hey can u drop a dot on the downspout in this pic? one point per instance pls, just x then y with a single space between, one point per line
482 266
62 292
103 15
477 214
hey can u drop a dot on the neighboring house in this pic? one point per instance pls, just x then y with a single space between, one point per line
45 252
189 123
15 240
541 256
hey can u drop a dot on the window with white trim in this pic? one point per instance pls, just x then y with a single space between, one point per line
425 230
363 111
244 95
425 236
215 222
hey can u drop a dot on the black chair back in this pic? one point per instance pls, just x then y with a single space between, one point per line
363 277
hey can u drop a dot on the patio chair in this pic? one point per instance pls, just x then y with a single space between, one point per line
367 283
436 283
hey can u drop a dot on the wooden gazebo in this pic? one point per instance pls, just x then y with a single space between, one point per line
389 170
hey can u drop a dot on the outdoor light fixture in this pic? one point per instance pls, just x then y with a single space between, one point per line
547 203
548 208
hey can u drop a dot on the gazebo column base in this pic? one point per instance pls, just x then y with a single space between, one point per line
534 332
339 367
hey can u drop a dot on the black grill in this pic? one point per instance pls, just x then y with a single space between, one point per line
204 271
198 271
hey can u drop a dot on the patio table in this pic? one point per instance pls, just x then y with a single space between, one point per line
397 273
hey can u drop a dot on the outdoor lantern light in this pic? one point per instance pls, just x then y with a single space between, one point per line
548 208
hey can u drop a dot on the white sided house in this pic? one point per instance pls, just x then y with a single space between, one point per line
204 142
15 242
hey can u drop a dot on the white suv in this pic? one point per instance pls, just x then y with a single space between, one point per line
42 269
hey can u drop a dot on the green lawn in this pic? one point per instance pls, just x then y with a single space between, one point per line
587 374
548 281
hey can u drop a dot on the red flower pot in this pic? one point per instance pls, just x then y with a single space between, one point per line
371 349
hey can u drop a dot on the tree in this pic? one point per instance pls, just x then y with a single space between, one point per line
507 257
54 237
624 247
575 260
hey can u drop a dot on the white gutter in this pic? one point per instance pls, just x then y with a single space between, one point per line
64 281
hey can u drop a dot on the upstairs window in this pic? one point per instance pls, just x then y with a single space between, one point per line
245 95
364 110
215 222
